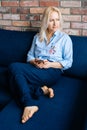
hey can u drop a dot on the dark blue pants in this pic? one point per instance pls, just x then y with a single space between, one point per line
26 80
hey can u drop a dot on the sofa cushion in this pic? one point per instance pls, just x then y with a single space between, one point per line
64 111
3 77
5 96
14 45
79 66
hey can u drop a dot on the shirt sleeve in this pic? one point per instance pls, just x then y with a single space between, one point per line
67 53
30 54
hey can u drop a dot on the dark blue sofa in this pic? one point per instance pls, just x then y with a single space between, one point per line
67 110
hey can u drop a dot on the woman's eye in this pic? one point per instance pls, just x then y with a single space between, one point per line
51 20
57 19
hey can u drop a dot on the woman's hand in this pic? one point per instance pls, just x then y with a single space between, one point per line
33 62
46 64
43 64
37 62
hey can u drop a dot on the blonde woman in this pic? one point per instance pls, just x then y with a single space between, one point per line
51 53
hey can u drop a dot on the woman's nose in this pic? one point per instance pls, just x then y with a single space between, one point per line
54 22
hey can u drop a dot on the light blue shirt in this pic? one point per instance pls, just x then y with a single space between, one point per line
59 49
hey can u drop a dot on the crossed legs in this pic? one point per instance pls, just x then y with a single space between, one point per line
22 73
30 110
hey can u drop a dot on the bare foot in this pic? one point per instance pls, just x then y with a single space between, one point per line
48 91
28 113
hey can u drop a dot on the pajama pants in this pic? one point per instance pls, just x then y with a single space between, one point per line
26 81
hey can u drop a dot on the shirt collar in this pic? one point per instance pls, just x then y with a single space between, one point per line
56 33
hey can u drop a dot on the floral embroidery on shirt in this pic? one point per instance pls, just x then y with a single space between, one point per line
52 50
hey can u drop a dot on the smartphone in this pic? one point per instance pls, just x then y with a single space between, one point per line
39 61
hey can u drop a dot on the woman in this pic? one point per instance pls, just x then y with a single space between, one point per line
51 53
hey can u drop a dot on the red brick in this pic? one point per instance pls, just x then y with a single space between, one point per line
30 3
11 16
79 11
78 25
5 22
36 10
65 10
15 10
49 3
12 28
24 17
10 3
5 9
73 31
66 25
27 14
20 10
71 3
25 10
21 23
35 23
84 18
34 17
84 32
71 17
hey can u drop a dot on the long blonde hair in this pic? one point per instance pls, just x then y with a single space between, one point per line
45 20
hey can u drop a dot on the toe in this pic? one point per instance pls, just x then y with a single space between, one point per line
51 93
28 113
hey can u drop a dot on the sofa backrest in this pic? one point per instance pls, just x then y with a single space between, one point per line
79 66
14 46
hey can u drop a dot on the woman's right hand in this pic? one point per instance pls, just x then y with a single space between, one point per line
37 62
33 62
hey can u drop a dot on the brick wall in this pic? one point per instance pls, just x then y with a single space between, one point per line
26 14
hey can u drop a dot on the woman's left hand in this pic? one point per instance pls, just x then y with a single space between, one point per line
44 64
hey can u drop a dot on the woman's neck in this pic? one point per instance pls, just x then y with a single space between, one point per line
49 35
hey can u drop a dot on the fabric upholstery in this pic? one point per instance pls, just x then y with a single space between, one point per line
79 67
63 112
67 110
14 46
3 77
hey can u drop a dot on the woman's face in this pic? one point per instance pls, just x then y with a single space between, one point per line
54 22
